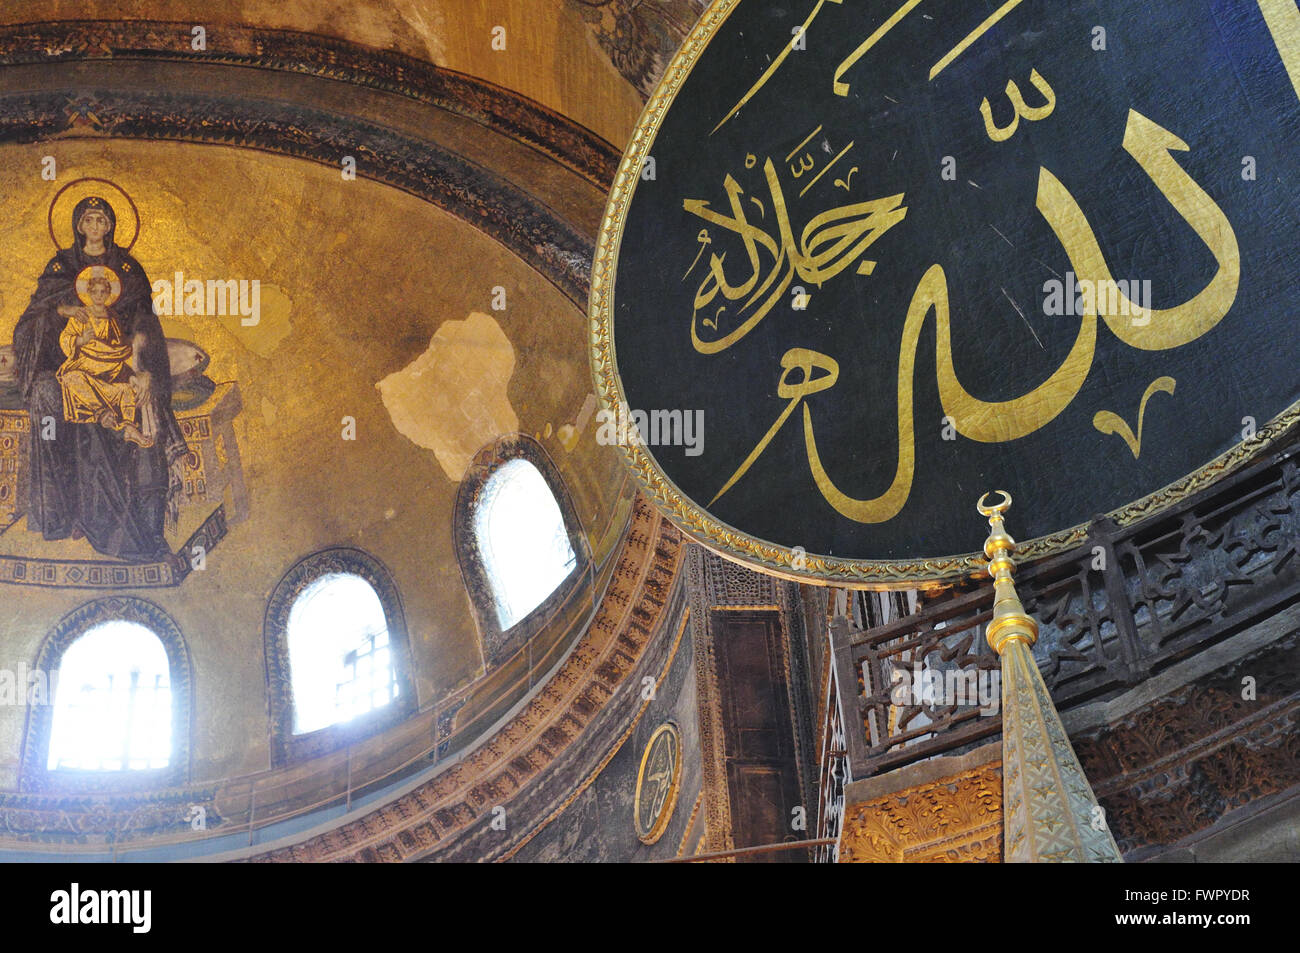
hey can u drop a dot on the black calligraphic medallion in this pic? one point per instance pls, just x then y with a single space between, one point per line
864 261
657 781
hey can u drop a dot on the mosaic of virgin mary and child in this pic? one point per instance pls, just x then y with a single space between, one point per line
93 371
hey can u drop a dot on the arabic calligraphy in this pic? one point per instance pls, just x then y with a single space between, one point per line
1109 422
1151 146
829 242
1022 110
941 240
841 88
776 65
657 782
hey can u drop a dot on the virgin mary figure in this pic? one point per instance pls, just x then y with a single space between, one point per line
88 479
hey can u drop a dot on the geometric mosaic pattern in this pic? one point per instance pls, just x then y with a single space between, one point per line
110 574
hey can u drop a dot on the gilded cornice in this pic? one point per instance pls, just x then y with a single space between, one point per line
954 819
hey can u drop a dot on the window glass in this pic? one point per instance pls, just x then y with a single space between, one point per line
339 652
522 540
112 701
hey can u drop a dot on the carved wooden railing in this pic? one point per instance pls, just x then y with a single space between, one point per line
834 775
1124 605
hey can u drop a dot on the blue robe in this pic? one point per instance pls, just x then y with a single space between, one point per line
90 480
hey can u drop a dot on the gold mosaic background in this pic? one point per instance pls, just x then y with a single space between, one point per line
357 279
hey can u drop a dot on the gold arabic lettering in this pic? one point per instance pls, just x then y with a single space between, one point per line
998 421
1022 109
830 242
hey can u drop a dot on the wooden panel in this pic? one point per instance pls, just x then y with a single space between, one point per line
762 777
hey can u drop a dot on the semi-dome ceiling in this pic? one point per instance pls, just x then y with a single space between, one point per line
415 212
374 308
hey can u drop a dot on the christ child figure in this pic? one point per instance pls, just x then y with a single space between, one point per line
98 381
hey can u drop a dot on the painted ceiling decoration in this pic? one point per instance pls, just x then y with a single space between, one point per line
640 38
160 41
102 103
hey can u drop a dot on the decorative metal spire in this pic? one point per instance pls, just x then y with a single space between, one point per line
1049 813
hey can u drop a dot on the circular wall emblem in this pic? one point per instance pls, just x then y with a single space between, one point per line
656 783
864 262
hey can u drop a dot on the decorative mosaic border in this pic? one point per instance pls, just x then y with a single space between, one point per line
112 575
760 554
499 109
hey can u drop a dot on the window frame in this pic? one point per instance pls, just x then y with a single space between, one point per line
35 774
498 644
287 747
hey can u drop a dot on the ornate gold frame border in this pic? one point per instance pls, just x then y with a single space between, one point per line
670 805
731 543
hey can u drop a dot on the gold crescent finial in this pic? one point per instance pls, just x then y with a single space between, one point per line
1001 507
1010 622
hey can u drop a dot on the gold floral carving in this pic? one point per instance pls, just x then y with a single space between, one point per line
954 819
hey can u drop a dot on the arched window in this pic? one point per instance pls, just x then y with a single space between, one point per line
521 548
112 702
115 679
522 540
336 654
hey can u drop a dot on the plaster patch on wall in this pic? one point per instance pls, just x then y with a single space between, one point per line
452 399
430 34
569 433
273 324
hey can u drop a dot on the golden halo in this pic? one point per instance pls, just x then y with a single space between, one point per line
66 199
99 271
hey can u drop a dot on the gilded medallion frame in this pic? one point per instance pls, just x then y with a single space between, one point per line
665 815
765 556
